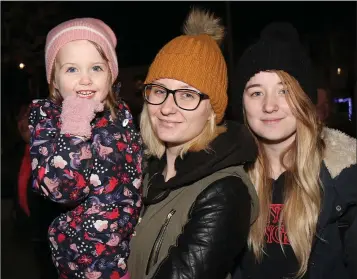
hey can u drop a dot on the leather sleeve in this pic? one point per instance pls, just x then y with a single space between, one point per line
351 247
214 236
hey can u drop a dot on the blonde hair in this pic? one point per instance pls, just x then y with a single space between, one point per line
302 190
110 101
155 147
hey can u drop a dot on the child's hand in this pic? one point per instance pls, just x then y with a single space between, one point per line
77 113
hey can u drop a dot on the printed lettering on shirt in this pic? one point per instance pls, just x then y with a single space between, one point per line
272 231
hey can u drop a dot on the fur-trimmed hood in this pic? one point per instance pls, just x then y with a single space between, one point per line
340 152
338 176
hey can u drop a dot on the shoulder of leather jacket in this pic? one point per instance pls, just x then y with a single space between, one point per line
219 215
229 191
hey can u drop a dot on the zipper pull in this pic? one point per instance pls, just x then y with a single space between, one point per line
172 212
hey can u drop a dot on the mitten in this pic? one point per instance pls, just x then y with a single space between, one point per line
77 113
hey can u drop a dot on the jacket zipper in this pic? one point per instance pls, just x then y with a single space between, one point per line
158 242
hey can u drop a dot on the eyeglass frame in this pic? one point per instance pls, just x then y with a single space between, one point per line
202 96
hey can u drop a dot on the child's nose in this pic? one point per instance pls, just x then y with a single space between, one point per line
85 80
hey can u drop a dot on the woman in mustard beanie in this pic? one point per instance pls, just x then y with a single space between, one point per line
198 201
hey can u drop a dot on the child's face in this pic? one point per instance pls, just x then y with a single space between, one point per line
81 70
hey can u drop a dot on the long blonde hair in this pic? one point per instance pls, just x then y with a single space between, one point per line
155 147
110 102
302 190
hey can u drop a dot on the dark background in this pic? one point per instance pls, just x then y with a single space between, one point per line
327 30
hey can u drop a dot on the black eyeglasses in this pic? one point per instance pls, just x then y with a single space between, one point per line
186 99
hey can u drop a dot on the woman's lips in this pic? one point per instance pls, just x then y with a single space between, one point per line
271 121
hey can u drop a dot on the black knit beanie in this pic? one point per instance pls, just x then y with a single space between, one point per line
278 48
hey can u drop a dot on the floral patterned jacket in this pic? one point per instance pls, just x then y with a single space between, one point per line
103 175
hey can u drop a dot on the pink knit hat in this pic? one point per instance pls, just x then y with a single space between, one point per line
91 29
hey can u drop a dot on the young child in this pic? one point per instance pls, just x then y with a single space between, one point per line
86 152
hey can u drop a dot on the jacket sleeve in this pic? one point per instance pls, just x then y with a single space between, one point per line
351 247
117 172
214 236
60 163
349 177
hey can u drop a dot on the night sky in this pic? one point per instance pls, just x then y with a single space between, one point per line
143 27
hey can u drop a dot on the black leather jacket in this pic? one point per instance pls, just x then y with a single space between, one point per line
214 236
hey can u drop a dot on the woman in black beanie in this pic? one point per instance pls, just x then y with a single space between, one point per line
305 174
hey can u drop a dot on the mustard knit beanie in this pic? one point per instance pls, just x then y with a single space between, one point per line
196 59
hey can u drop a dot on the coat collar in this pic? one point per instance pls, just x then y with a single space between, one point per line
340 151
